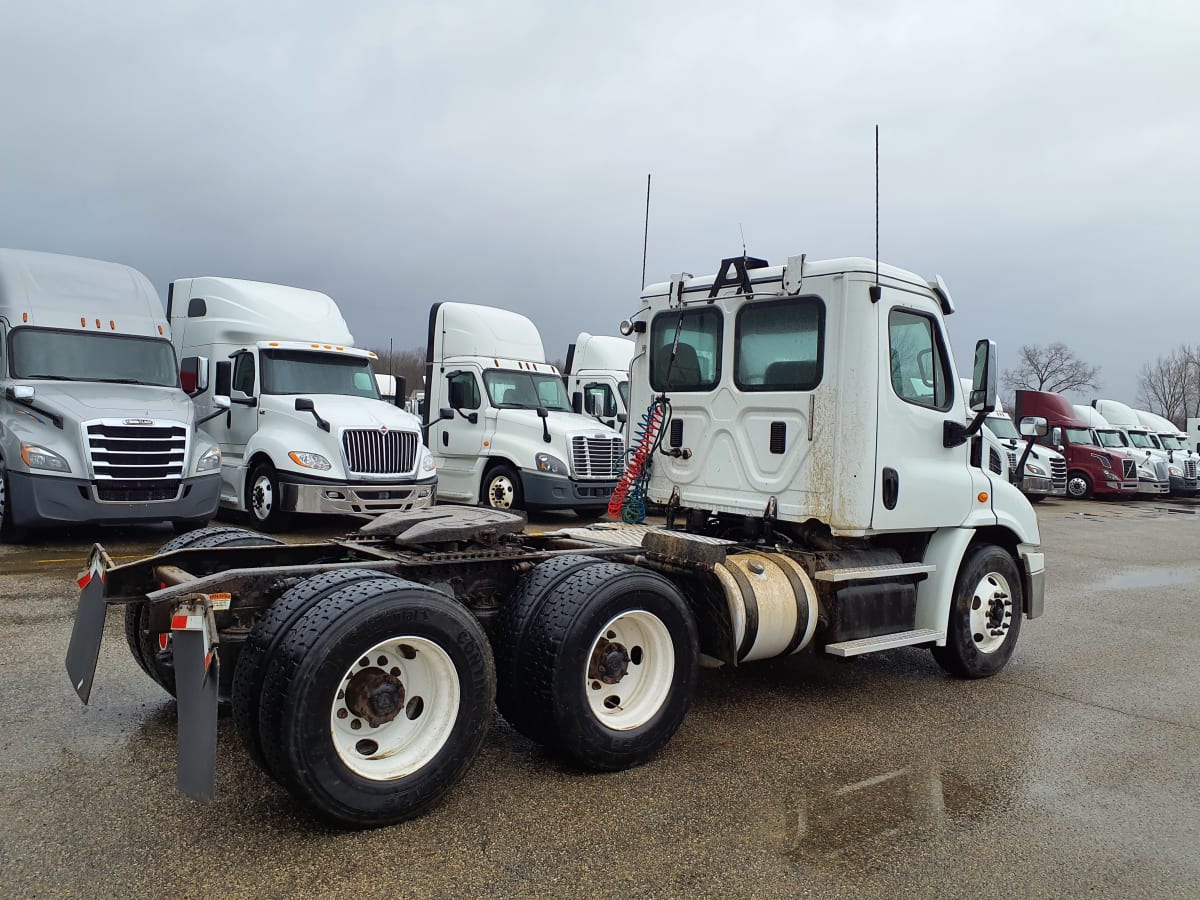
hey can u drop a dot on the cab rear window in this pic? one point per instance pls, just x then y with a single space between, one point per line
693 363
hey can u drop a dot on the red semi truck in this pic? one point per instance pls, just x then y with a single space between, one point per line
1091 469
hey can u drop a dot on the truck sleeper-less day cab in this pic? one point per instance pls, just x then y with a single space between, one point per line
818 475
499 421
1154 469
93 424
1092 470
306 431
597 377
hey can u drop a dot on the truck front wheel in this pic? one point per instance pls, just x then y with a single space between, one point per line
1079 485
501 488
264 499
985 615
609 663
9 533
384 694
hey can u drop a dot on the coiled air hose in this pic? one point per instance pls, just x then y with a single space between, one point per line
628 502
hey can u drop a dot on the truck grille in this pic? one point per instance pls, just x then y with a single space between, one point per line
1013 474
597 457
1129 469
380 452
1058 474
136 463
1189 468
1161 472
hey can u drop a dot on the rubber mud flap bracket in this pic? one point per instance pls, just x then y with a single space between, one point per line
88 630
196 678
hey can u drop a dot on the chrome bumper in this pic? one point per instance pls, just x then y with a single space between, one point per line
357 499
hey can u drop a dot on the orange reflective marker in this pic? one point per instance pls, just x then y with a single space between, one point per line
983 496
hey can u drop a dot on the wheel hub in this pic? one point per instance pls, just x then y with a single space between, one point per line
610 662
375 696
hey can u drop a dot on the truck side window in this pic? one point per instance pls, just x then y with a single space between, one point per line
779 345
469 389
604 395
695 364
919 362
243 374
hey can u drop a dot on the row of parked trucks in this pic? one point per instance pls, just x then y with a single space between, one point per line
803 433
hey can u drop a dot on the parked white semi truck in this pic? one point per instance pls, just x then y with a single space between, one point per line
93 424
597 377
820 493
306 430
499 421
1154 469
1180 457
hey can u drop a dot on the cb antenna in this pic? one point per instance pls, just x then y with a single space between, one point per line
875 290
646 232
743 234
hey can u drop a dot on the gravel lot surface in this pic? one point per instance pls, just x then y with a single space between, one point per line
1073 772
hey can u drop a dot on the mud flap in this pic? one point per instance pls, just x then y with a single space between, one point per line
88 630
193 637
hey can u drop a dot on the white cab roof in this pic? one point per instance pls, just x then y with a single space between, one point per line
240 312
594 352
472 330
1118 414
1091 416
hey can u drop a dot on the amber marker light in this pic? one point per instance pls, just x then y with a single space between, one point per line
983 496
83 322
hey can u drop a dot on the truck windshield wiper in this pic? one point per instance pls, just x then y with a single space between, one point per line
50 378
117 380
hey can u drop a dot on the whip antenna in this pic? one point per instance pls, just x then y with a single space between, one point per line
646 232
875 291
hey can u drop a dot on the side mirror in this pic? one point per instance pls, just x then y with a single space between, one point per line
458 394
542 412
1033 426
401 391
304 404
984 380
622 418
224 378
21 392
445 413
577 402
221 403
193 375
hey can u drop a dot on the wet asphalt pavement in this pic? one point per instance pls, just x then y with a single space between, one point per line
1073 772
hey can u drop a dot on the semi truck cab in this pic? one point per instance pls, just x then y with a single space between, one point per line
597 377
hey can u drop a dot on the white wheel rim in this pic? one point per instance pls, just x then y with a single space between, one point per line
500 492
629 670
263 497
991 612
419 726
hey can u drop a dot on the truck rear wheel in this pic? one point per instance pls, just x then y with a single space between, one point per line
985 616
152 652
384 694
260 647
610 661
264 499
1079 485
512 631
501 488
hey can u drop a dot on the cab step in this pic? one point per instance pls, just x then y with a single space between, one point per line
870 573
885 642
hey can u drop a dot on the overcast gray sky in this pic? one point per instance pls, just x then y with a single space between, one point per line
1039 156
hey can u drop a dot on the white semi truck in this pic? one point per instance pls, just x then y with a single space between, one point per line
1155 470
1180 457
597 377
93 424
820 494
1042 471
499 421
305 430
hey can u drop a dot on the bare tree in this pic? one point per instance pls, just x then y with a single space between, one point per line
409 364
1168 386
1053 368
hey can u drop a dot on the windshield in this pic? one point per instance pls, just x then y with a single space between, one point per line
302 372
1139 440
1080 436
1110 439
525 390
92 356
623 387
1002 428
1170 442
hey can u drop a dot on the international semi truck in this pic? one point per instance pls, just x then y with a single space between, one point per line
802 428
304 429
94 427
1092 469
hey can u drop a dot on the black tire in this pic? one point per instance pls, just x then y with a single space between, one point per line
263 499
147 649
501 488
264 638
303 687
590 512
9 533
557 657
1079 485
511 631
186 526
989 583
1035 498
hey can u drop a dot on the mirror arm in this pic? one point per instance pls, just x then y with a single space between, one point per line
1020 473
955 434
210 416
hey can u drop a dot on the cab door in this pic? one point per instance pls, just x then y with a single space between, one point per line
919 483
234 430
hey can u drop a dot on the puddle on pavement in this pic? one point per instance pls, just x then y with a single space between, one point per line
1149 578
865 820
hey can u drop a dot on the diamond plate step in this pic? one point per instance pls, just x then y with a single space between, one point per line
867 573
884 642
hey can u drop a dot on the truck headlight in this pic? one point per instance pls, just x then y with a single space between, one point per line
1110 476
1031 469
37 457
550 464
308 460
427 464
211 459
1105 462
1176 471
